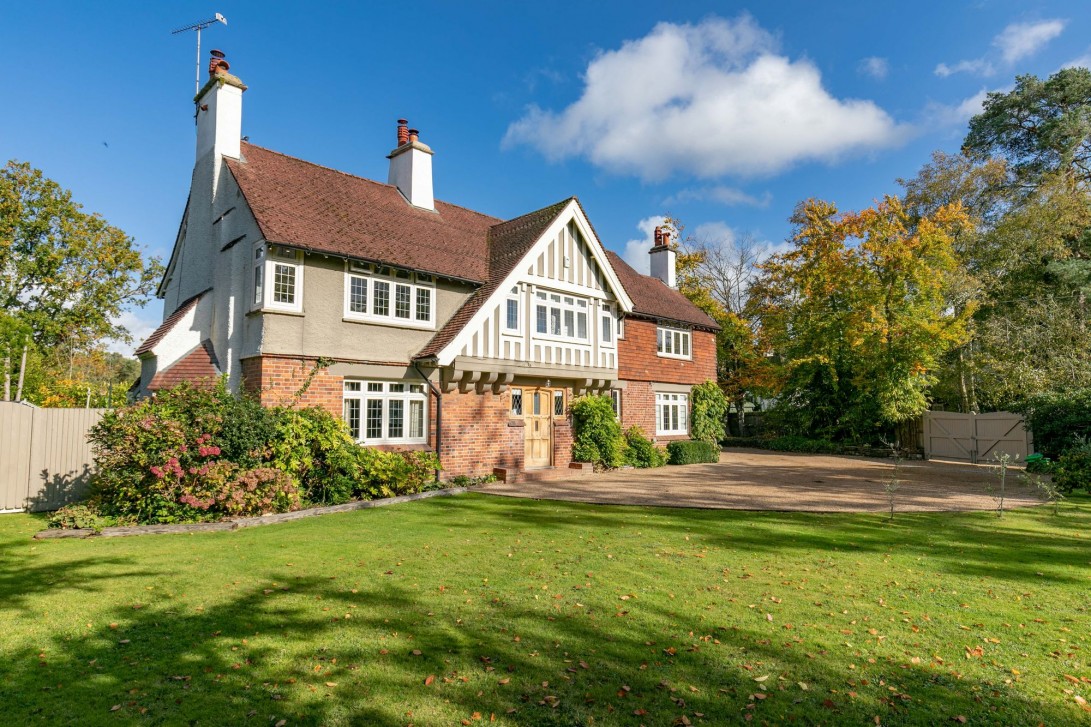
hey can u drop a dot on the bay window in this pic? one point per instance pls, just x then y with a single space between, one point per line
386 412
671 414
390 296
277 279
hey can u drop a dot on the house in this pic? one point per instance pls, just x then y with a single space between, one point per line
447 329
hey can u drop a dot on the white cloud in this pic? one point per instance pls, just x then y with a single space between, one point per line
722 194
874 66
979 66
956 114
1020 40
709 99
636 250
1083 61
139 323
1015 42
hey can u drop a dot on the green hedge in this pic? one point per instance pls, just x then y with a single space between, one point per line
641 452
1059 420
692 451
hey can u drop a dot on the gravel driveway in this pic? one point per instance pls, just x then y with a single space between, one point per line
760 480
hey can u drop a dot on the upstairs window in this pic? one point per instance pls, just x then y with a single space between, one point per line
389 295
277 278
672 342
607 325
561 316
511 311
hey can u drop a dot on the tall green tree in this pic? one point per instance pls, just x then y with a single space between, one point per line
1039 127
857 315
65 273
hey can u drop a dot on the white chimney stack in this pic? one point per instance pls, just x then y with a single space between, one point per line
411 168
219 111
663 258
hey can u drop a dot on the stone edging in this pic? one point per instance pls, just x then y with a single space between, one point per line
243 522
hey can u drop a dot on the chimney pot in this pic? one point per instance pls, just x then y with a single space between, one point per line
403 132
658 235
413 134
217 64
666 240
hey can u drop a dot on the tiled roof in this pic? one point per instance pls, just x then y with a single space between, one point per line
653 299
165 327
508 242
198 367
311 207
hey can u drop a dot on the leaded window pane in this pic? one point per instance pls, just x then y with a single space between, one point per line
424 304
396 417
512 322
284 283
517 402
352 416
558 403
374 418
416 419
381 302
358 295
401 301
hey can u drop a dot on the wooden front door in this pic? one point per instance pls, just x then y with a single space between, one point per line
538 429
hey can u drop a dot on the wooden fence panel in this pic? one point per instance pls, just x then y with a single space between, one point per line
16 421
45 459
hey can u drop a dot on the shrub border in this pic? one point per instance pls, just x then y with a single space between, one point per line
242 522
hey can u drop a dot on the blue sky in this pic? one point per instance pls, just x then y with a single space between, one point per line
722 114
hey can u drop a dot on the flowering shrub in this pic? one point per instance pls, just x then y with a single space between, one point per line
191 454
222 489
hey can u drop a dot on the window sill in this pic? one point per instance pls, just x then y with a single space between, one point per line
516 423
276 311
416 447
672 356
391 323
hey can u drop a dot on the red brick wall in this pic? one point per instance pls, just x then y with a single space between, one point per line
477 434
638 360
276 379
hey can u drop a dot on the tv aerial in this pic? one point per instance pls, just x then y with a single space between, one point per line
199 27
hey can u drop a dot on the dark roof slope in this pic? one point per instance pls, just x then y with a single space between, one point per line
165 327
508 242
653 299
311 207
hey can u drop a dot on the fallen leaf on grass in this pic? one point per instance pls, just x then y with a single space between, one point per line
115 708
331 684
429 679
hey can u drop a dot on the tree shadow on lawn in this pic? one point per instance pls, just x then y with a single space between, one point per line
267 654
977 544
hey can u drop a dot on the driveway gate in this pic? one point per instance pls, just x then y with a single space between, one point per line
975 437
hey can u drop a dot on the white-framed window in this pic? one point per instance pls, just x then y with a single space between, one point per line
386 412
607 327
512 319
391 296
671 413
561 316
672 342
615 402
277 278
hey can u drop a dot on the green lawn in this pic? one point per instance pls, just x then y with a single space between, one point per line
463 608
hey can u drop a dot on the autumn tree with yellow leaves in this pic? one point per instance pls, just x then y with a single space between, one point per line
856 316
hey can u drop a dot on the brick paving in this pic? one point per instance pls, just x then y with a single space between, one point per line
760 480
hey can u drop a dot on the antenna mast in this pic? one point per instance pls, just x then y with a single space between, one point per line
199 27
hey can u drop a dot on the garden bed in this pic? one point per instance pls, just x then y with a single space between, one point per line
242 522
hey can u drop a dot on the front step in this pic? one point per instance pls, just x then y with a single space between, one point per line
545 474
